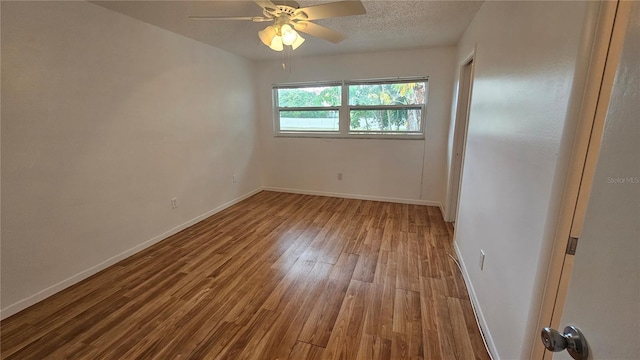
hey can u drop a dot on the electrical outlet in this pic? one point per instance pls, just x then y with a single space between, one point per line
174 203
482 260
235 179
339 176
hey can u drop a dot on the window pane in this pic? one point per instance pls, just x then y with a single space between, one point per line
412 93
321 120
310 96
397 120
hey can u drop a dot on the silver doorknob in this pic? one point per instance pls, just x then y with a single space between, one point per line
572 340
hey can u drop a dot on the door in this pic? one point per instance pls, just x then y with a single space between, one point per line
603 296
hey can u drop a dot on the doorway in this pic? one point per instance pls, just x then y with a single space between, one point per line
460 136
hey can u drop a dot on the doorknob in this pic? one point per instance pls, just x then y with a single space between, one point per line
572 340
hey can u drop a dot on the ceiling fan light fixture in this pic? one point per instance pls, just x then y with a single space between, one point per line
267 35
298 42
275 37
289 36
276 44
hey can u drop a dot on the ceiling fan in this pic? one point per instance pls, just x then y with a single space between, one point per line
287 17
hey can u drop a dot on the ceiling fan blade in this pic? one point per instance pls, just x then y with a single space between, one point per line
319 31
251 18
335 9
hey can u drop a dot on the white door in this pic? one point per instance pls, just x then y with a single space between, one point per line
603 298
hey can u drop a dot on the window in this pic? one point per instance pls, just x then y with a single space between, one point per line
386 108
367 108
309 109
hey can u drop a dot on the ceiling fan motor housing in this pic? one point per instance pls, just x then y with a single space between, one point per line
288 10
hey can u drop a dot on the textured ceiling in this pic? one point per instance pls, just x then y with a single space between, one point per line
387 25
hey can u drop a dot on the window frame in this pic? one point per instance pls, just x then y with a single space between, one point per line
344 111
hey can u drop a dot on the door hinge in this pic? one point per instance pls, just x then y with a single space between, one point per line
572 245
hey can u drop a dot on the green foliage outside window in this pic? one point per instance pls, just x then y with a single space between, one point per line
386 94
309 97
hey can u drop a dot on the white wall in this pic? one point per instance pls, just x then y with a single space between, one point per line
104 120
371 168
529 64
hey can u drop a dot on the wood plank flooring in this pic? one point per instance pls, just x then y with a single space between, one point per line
277 276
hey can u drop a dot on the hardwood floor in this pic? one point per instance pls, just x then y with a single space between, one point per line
277 276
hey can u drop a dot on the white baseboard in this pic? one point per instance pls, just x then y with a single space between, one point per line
355 196
474 299
43 294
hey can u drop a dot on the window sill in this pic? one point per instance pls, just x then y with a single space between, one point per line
351 136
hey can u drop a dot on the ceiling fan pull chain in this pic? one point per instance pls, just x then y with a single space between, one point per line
284 66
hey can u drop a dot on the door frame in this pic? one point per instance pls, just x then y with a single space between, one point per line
460 128
605 57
